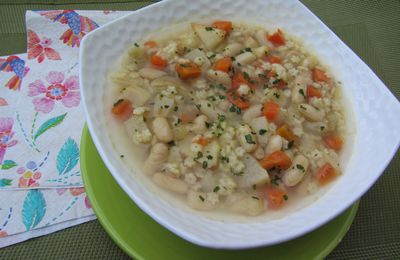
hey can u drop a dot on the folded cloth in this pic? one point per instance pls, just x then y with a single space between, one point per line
41 132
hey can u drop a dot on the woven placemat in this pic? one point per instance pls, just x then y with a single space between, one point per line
370 28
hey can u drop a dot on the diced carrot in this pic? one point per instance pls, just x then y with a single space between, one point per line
239 79
276 159
223 64
237 100
186 118
189 70
319 75
150 44
271 74
122 109
274 59
275 197
325 174
271 110
223 25
313 92
158 62
334 141
203 141
286 133
277 38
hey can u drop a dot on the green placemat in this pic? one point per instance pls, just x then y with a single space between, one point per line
370 28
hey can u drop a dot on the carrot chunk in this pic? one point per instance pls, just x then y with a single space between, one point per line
334 142
274 59
271 110
277 38
275 197
326 174
122 109
158 62
286 133
237 100
223 25
319 75
223 64
150 44
313 92
276 159
188 70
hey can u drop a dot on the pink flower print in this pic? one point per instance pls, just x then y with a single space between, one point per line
28 179
76 191
57 90
6 136
39 48
87 203
3 102
3 233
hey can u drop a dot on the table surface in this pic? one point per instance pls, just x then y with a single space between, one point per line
370 28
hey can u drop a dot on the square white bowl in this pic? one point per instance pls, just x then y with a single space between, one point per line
376 116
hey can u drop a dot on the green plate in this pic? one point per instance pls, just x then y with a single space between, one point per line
143 238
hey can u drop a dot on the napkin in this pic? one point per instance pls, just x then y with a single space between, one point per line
40 127
41 147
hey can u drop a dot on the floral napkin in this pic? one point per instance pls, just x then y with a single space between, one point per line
40 127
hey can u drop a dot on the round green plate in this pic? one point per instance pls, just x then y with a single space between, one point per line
143 238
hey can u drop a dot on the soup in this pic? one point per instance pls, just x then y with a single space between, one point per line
231 117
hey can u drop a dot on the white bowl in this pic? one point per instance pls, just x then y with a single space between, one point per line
376 117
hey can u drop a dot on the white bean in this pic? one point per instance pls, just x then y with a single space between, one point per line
232 49
296 173
244 59
261 37
251 113
260 51
162 129
246 138
259 153
170 183
249 42
158 155
310 112
298 94
220 77
260 127
249 205
274 144
210 110
199 124
150 73
197 200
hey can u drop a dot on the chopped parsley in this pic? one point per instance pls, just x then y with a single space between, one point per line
248 49
198 106
118 102
277 95
166 106
205 164
171 143
300 167
221 118
285 197
175 108
224 159
238 173
234 109
221 97
216 189
275 180
209 28
249 139
178 121
210 157
301 91
208 125
276 81
256 198
262 131
322 128
246 75
199 155
201 198
290 144
211 98
262 75
122 156
212 56
254 186
136 44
